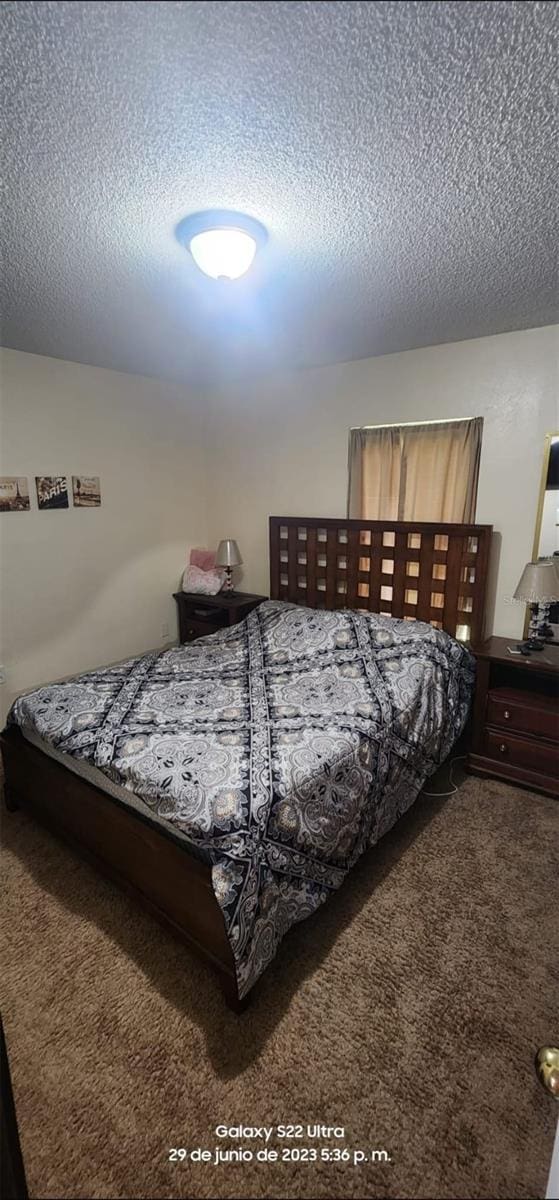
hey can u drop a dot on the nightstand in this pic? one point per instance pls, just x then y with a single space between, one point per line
516 716
200 615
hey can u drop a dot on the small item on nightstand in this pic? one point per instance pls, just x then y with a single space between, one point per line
228 556
206 583
201 574
538 587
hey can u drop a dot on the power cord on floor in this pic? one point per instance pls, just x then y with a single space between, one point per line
443 795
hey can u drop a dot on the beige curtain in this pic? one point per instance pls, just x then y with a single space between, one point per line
415 472
374 473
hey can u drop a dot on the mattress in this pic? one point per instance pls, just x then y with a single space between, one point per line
278 750
105 784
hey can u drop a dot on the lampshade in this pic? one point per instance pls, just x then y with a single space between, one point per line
539 583
228 554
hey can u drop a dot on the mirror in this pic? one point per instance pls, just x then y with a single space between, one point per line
546 533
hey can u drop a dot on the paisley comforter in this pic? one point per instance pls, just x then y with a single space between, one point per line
280 749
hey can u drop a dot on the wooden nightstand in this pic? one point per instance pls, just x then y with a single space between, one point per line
516 716
201 615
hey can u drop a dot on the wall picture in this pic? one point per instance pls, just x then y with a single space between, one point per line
86 491
14 493
52 491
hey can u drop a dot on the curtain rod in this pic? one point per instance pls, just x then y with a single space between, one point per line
405 424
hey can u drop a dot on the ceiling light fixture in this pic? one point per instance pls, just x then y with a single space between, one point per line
223 244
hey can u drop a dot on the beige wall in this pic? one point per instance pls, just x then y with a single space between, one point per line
82 587
280 445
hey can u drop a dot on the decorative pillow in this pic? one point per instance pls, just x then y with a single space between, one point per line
206 583
205 559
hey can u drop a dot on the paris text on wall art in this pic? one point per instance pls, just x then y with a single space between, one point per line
52 491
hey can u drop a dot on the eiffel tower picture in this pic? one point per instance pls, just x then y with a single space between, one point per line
14 493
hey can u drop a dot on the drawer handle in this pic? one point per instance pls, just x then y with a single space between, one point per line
503 748
547 1068
506 714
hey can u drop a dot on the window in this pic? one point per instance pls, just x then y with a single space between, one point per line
426 472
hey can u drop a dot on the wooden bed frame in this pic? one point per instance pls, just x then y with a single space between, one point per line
428 572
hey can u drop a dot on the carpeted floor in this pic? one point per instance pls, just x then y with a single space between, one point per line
408 1010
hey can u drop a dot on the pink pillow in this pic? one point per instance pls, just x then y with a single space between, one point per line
204 559
205 583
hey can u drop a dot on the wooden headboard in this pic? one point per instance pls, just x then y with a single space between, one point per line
422 571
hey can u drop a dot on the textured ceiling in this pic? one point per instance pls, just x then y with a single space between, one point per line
401 156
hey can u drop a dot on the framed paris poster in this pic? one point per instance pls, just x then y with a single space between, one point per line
52 491
86 490
14 493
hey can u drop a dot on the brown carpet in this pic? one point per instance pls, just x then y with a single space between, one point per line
408 1010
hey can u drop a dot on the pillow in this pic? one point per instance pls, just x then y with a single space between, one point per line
204 559
205 583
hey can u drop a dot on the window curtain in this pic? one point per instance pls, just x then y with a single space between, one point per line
415 472
375 468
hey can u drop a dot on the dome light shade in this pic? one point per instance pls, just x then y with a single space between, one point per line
223 253
222 243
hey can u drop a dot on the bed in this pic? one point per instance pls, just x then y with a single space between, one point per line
233 782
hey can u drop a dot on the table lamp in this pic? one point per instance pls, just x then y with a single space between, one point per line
228 556
539 587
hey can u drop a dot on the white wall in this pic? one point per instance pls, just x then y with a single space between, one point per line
81 587
279 445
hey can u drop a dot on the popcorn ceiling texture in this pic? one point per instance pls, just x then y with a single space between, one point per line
401 156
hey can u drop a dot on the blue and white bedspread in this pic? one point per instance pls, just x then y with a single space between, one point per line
280 748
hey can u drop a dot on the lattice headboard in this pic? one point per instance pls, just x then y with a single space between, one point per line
417 570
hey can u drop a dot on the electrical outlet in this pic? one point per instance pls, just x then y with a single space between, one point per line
165 631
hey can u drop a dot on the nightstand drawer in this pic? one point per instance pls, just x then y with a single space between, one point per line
197 612
522 751
523 713
190 630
